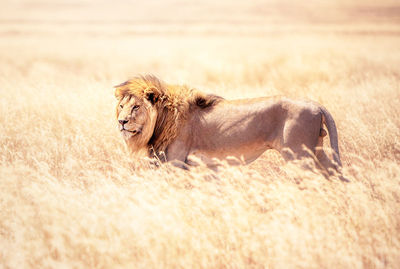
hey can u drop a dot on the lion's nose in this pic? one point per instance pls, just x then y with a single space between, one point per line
122 122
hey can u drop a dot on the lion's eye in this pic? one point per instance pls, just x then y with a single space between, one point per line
135 107
121 106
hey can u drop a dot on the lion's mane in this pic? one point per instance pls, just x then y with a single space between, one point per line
173 103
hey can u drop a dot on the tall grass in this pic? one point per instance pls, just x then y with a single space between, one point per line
70 196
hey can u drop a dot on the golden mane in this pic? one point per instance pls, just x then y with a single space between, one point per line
172 102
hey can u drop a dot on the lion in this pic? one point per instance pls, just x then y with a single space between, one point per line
179 124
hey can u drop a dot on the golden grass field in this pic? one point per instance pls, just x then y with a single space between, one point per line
70 197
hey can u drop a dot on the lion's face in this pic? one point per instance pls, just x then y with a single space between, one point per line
136 119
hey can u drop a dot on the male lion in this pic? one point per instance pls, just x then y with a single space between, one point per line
175 123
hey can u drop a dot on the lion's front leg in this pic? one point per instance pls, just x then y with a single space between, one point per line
197 159
177 153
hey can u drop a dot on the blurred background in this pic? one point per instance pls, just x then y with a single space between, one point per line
175 39
194 17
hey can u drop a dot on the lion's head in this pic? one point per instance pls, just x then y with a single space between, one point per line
136 118
151 113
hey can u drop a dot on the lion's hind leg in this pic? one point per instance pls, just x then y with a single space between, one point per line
299 140
326 164
303 143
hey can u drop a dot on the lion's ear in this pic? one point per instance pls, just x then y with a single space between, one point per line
152 95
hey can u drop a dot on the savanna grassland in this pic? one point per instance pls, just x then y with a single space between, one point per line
70 197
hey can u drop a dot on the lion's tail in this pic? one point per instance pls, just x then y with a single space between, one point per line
327 119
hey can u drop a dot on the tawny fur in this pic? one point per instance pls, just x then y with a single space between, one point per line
187 123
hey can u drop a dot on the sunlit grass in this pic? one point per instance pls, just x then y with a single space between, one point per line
70 196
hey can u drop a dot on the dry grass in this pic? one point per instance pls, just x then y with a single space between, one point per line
70 197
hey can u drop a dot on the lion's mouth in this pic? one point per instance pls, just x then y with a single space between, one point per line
131 131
